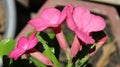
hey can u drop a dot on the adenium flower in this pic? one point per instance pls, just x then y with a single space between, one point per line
50 17
82 22
23 45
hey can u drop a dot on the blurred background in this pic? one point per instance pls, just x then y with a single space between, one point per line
14 15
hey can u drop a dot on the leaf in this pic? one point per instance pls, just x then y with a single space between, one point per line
48 51
81 62
6 46
84 60
51 35
36 62
49 54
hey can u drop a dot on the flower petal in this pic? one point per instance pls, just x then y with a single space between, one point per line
84 37
63 14
51 14
32 36
16 53
70 21
40 24
81 16
22 43
97 23
32 41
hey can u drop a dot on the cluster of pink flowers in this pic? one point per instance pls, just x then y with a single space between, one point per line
78 19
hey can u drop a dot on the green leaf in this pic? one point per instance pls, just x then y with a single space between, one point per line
84 60
81 62
48 51
49 54
51 35
6 46
36 62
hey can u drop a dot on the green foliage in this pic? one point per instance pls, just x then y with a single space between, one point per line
83 61
51 35
46 39
6 46
48 52
36 62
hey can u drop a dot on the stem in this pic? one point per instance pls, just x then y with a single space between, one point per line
69 58
47 51
93 46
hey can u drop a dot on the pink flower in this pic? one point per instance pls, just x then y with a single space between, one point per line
82 22
23 45
50 17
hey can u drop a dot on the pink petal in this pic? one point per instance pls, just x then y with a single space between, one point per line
16 53
97 23
22 43
81 16
32 41
40 24
70 21
63 14
51 14
32 36
84 37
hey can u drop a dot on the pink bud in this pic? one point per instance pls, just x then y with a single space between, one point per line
42 58
99 44
103 40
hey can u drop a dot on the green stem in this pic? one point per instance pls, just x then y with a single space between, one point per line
93 45
47 51
68 58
